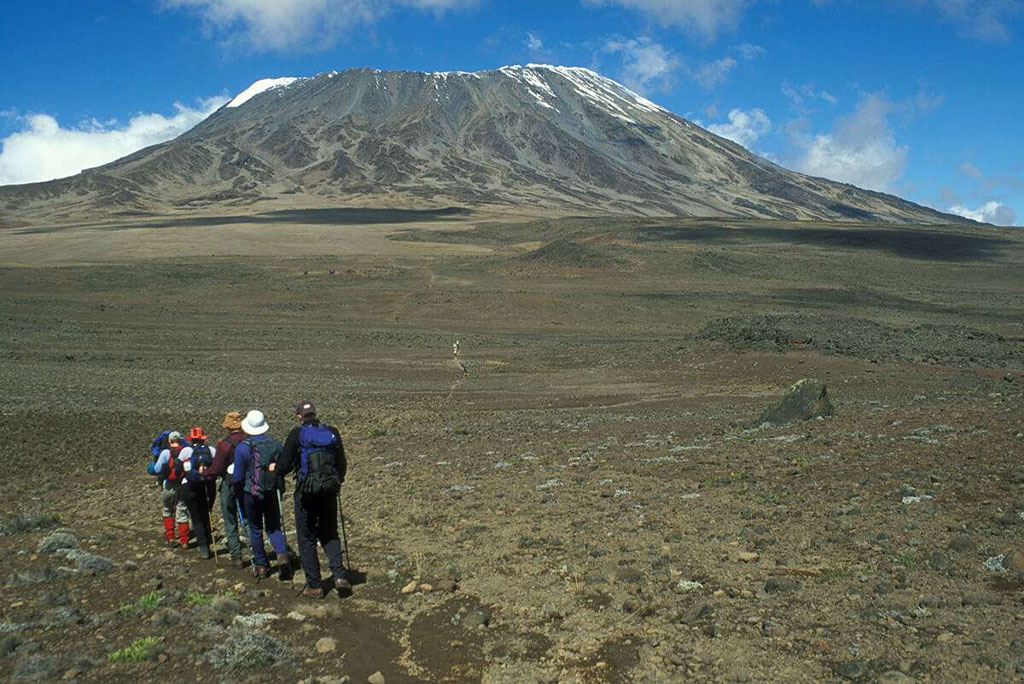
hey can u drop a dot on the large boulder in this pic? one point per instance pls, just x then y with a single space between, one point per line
806 399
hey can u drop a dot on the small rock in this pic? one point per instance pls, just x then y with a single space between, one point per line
939 561
376 678
409 588
326 645
806 399
895 677
629 576
481 617
944 638
256 620
73 673
296 615
853 670
426 588
447 585
782 585
747 556
1013 561
696 613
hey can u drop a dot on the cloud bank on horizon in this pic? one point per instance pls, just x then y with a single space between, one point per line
715 57
45 150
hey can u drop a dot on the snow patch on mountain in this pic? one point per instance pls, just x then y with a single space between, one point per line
260 86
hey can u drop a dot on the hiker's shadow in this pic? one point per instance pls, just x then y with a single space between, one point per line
356 577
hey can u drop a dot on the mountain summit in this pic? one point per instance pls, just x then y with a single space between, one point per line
556 139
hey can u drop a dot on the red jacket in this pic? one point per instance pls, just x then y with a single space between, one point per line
225 455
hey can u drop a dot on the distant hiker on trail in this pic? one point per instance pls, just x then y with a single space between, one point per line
223 467
257 483
169 470
315 453
198 487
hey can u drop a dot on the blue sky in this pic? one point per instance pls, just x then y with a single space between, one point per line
922 98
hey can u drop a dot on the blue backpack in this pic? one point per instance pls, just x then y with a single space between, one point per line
318 467
160 442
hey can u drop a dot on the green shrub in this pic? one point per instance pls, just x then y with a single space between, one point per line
140 650
145 603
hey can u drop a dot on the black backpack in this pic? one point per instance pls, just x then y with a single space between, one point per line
261 481
318 464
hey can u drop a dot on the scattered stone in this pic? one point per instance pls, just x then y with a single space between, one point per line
326 645
939 561
853 670
409 588
695 613
747 556
806 399
447 585
376 678
995 564
629 576
1013 561
944 638
686 586
296 615
782 585
917 499
481 617
256 620
426 588
895 677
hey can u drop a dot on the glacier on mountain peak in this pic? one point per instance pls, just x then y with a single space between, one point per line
260 86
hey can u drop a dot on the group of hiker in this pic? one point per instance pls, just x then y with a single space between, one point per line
247 470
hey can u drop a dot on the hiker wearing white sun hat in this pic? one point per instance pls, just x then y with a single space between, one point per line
258 486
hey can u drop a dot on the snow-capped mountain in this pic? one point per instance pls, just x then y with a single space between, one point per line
558 139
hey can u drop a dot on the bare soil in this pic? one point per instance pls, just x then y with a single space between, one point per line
587 504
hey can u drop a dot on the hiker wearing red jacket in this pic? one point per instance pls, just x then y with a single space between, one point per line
224 467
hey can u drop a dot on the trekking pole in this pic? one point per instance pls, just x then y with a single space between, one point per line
252 556
344 535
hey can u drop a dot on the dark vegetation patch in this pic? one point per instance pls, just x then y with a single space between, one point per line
910 243
338 216
570 254
28 521
946 344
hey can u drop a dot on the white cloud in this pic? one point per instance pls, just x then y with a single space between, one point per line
860 150
744 128
803 96
990 212
749 51
44 150
969 169
534 43
983 19
714 73
646 64
281 25
706 18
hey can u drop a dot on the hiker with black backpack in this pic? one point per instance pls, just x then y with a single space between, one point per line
256 482
198 487
169 470
315 453
223 467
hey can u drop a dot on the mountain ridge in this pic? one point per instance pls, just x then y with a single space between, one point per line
559 140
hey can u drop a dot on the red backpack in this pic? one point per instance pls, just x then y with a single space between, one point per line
174 469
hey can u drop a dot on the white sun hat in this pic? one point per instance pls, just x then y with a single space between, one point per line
255 423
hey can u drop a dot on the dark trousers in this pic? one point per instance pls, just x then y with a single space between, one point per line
260 514
198 500
229 505
316 520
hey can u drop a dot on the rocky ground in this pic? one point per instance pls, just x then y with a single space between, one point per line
596 501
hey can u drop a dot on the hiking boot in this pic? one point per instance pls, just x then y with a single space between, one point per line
204 553
343 587
284 568
184 546
238 562
313 592
172 544
262 571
